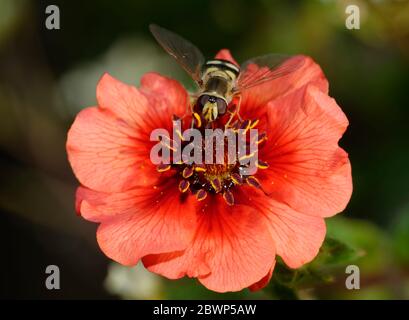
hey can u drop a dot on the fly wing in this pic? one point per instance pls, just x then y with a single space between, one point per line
266 68
185 53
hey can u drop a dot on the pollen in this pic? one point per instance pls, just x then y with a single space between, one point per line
253 182
262 164
163 167
187 172
200 168
201 195
228 197
205 180
236 178
184 186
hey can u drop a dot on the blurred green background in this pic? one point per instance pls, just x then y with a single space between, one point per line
47 76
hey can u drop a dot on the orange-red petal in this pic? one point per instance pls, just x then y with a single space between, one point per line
297 236
232 249
264 281
254 99
104 155
109 146
307 169
139 222
225 54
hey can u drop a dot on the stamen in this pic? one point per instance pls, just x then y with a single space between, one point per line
253 182
216 184
247 156
201 195
262 164
187 172
261 138
233 125
200 168
202 179
168 146
236 178
254 123
245 125
168 142
236 125
228 197
179 134
184 186
163 167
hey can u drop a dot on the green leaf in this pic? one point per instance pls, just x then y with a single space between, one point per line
366 238
332 254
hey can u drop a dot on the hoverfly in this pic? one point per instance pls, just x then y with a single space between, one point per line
219 81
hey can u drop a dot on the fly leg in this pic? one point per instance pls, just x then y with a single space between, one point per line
234 113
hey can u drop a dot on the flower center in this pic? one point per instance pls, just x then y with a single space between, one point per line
220 178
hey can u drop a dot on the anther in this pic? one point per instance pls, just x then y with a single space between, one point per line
216 184
163 167
187 172
253 182
228 197
184 185
236 178
201 195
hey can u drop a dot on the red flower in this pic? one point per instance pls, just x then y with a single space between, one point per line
228 242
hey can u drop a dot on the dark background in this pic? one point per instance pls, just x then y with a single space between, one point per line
47 76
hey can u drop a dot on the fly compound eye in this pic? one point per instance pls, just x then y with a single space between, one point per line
201 102
221 106
203 99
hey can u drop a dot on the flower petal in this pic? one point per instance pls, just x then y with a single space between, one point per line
263 282
166 96
297 236
104 154
254 100
109 146
125 101
147 108
225 54
232 249
307 169
140 222
101 206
